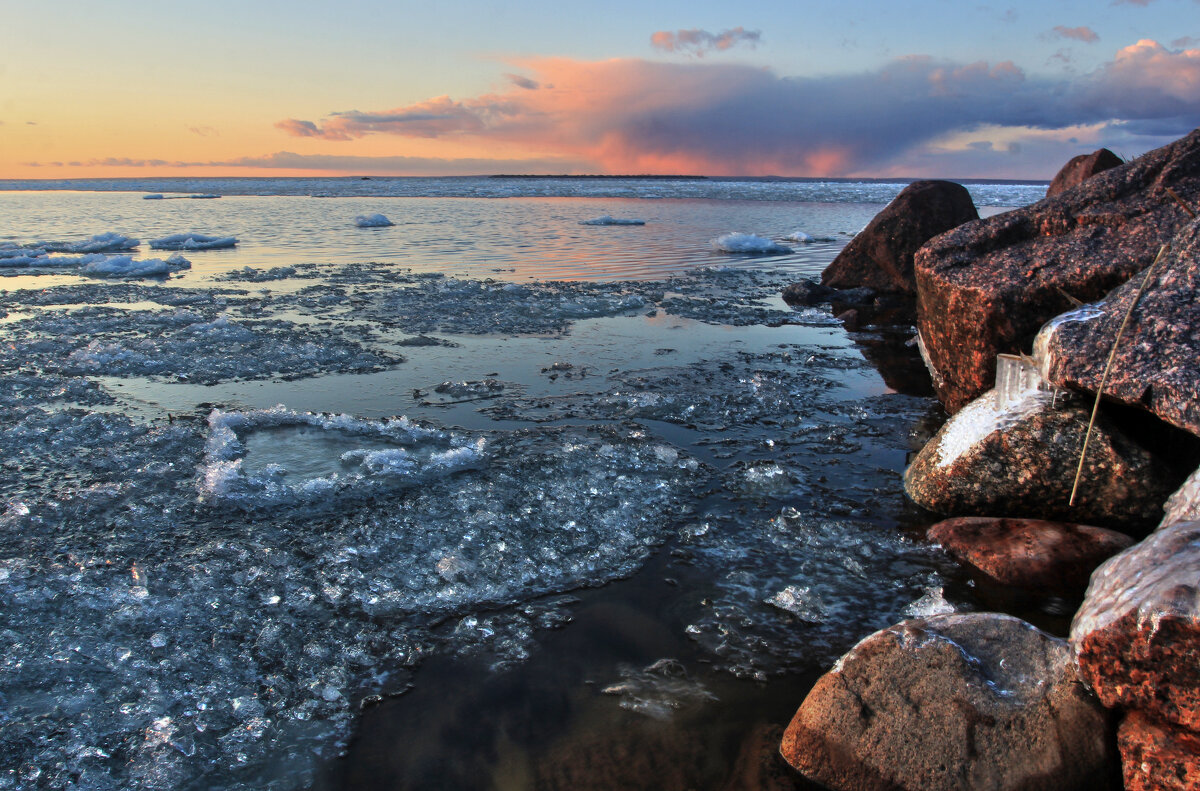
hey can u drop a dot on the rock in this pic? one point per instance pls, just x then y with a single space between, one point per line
881 256
759 767
1184 504
976 701
1081 168
849 319
1020 461
988 286
1057 556
807 292
1156 756
1157 364
1137 634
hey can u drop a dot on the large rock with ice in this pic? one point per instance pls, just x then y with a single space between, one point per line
1082 168
881 256
1029 552
988 286
1157 363
953 702
1137 634
1156 756
1019 460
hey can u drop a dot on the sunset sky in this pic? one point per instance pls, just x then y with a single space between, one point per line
772 87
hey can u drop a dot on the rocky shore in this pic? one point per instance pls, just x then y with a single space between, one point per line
1016 317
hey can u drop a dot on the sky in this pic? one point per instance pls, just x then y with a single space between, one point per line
918 88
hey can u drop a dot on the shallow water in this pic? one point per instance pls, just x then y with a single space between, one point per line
502 532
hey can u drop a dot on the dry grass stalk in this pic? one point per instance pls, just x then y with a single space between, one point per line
1112 356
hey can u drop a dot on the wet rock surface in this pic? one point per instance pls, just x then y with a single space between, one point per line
1157 364
953 702
1055 556
1137 634
1019 460
1156 756
1081 168
881 255
988 286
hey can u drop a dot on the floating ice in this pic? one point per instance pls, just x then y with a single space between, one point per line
800 602
110 242
413 455
153 196
749 244
372 221
193 241
804 238
178 344
933 602
210 648
609 220
125 266
460 392
658 690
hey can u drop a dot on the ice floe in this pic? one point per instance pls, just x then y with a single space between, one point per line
748 244
372 221
368 455
193 241
606 219
111 242
126 266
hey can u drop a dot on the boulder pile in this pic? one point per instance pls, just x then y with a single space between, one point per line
985 700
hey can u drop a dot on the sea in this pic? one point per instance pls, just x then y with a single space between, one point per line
461 483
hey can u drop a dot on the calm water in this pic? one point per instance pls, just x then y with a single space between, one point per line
600 510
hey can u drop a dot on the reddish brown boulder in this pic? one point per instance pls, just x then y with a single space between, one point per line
1156 756
881 256
953 702
1058 556
1137 634
1081 168
988 286
1157 364
1019 460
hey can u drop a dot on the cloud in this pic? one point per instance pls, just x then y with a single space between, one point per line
1142 3
699 42
523 82
1082 33
395 165
627 115
204 131
1185 41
